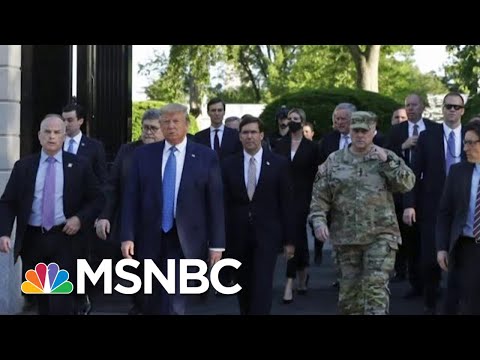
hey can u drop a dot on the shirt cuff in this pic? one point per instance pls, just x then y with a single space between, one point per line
217 249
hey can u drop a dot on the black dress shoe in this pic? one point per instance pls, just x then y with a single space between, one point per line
287 301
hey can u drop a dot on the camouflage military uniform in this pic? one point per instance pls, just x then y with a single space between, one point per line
357 191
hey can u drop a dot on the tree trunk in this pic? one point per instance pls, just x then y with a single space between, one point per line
366 63
194 97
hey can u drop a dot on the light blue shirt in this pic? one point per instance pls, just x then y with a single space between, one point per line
76 142
457 134
468 228
36 214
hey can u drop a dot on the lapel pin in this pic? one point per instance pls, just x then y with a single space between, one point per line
69 165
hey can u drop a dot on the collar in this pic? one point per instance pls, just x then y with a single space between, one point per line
180 146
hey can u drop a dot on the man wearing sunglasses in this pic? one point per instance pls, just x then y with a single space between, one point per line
437 149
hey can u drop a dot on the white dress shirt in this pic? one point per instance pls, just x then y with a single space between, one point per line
220 135
258 164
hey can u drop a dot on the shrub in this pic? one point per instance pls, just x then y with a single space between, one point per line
319 105
472 108
139 107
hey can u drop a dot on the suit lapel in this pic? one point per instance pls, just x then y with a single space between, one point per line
82 146
404 138
441 154
240 174
160 160
189 165
68 177
264 172
466 184
31 178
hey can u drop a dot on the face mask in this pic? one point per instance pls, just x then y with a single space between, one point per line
294 126
283 126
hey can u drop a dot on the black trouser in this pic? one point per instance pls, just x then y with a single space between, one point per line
467 256
255 275
47 247
160 302
411 248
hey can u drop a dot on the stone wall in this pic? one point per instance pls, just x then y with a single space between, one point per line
10 86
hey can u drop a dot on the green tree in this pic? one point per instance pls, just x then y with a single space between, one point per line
184 75
269 71
463 72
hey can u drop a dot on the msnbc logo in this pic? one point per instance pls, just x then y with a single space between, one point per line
39 283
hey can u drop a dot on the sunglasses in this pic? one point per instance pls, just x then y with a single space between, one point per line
451 106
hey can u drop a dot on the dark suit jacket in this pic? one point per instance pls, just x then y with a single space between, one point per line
304 167
94 151
115 187
200 217
454 204
397 136
270 209
331 141
81 195
430 173
230 141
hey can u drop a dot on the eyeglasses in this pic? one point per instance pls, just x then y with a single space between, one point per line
451 106
150 128
470 142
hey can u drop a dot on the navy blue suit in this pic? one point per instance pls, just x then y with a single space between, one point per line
199 219
93 150
200 210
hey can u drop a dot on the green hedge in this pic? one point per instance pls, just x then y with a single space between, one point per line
319 105
139 107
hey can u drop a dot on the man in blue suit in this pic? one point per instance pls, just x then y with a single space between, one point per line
173 206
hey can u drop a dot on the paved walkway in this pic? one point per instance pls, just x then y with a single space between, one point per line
321 298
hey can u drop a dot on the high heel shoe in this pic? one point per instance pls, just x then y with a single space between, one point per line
304 291
287 301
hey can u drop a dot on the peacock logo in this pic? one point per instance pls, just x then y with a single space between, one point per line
47 280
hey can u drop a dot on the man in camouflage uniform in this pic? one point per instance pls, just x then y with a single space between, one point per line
355 186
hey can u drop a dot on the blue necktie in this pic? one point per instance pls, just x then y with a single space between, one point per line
169 175
70 146
450 151
48 199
